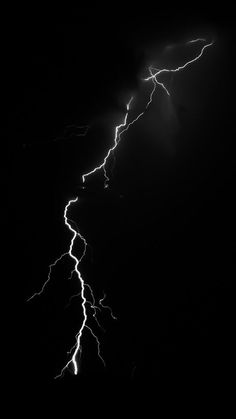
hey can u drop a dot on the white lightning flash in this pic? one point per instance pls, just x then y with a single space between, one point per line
120 129
103 164
175 70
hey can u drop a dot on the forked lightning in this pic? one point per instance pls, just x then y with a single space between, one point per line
76 350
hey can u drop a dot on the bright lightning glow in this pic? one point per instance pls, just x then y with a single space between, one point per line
77 261
175 70
193 41
76 350
154 73
103 164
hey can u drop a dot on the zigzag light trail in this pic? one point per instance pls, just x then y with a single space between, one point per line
91 302
175 70
103 164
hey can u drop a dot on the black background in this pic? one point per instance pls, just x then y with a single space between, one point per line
162 235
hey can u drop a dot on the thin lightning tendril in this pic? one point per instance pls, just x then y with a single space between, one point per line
76 350
49 276
72 298
103 164
107 307
175 70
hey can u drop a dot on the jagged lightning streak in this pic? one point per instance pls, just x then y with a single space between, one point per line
119 130
77 261
77 347
118 134
175 70
107 307
103 164
49 276
154 73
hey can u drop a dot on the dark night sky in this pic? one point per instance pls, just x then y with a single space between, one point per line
163 234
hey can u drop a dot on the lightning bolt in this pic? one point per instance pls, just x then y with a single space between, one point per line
120 129
103 164
176 70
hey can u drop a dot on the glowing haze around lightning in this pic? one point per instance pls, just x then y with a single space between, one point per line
120 129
